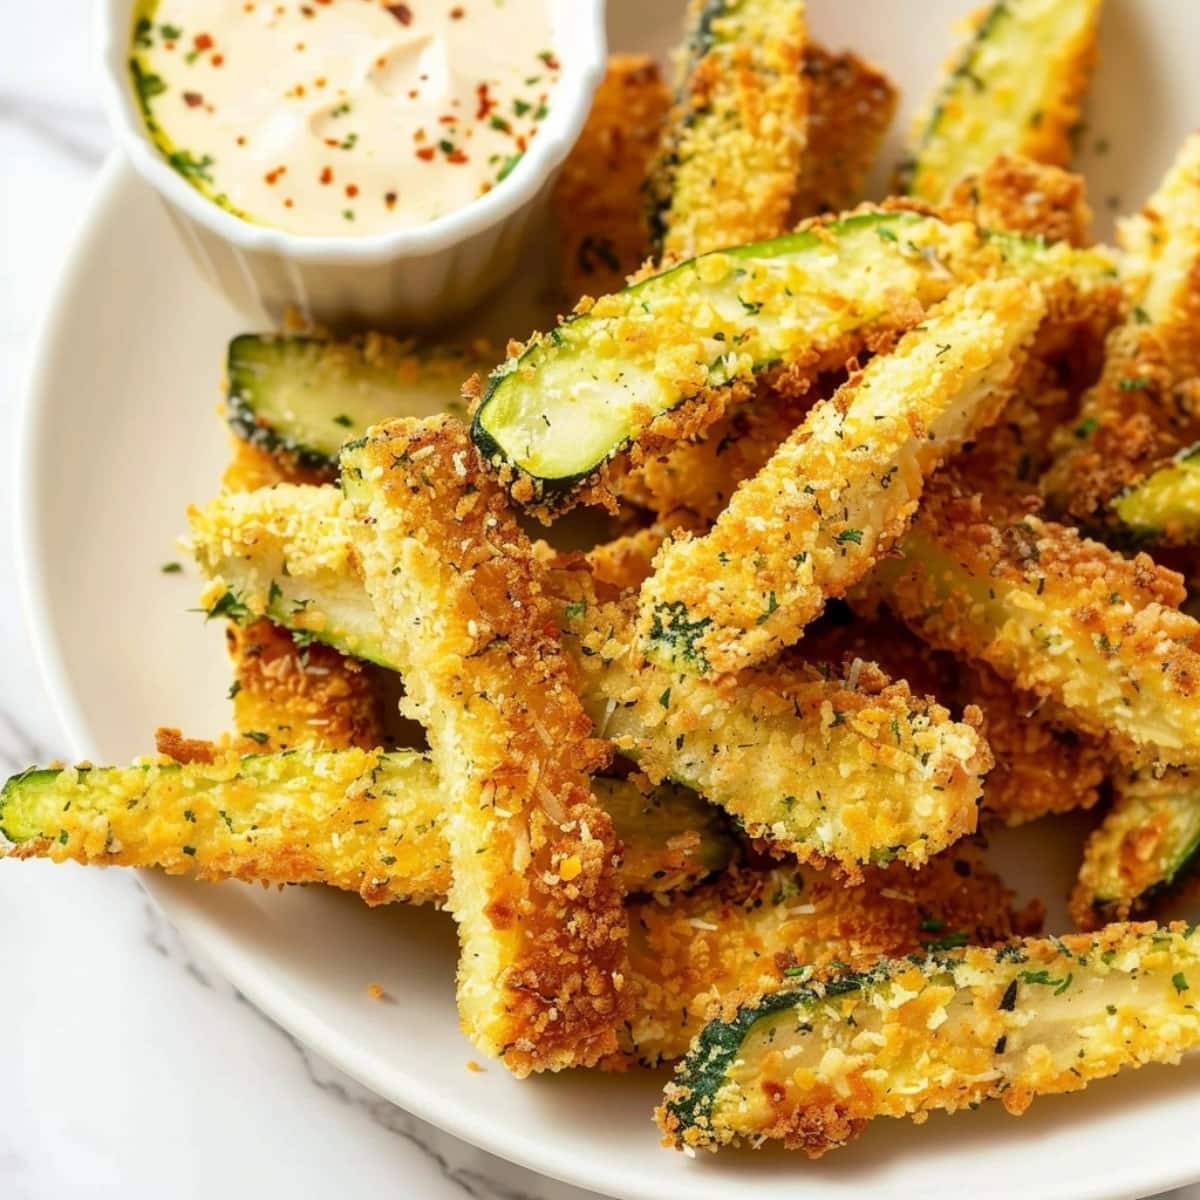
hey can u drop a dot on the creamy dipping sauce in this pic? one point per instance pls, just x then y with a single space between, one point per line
343 117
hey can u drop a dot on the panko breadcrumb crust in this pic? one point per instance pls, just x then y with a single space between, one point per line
543 931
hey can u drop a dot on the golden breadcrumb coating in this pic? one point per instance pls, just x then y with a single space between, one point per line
1040 768
1146 404
1097 635
751 930
287 695
535 891
1025 196
839 492
1147 840
251 467
731 153
813 1063
598 197
1016 87
851 103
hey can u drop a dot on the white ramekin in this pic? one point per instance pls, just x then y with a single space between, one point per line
394 280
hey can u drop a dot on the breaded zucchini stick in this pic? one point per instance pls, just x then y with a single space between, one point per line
731 153
1016 88
853 771
662 360
1143 409
1147 841
851 103
810 1065
535 892
366 821
598 197
839 492
755 931
1069 620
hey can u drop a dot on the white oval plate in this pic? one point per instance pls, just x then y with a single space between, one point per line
121 434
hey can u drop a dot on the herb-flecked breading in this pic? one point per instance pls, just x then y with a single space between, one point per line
535 891
811 1065
660 361
1016 87
756 930
366 821
1066 619
852 772
597 198
1147 841
731 152
840 490
1143 409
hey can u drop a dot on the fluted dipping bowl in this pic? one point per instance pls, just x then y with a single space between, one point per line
415 276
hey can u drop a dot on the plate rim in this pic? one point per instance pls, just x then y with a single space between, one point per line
33 423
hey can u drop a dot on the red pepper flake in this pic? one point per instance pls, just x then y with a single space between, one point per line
218 59
332 142
448 119
193 99
241 141
456 156
289 202
272 176
321 81
457 13
401 12
351 190
425 153
522 142
547 56
486 103
390 199
202 42
326 175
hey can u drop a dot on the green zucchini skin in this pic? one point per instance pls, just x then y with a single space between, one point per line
304 397
551 418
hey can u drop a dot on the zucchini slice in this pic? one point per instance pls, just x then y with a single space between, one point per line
1062 617
1017 89
1147 841
305 396
1113 463
855 774
1165 506
699 336
840 490
751 930
732 149
456 586
367 821
810 1065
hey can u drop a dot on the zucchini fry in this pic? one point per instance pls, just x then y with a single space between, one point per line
810 1065
598 197
535 894
1147 841
1016 88
850 106
756 930
362 820
733 146
1064 618
852 771
839 492
660 361
1144 408
300 398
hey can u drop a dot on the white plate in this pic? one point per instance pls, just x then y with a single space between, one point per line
121 435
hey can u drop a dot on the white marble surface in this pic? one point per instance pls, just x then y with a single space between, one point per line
129 1068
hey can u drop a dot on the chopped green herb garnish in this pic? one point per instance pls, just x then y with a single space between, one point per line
171 568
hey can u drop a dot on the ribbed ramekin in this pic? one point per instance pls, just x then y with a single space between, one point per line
411 277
